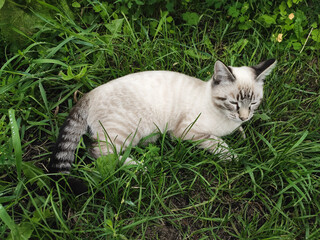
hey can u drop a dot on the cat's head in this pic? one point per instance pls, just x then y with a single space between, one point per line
238 91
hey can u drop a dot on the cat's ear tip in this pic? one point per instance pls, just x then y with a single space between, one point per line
218 61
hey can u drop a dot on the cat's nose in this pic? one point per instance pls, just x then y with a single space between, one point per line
243 113
243 118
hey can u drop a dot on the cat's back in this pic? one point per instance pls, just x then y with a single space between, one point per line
148 85
151 78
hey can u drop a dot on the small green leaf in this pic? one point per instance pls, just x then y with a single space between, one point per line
314 25
316 35
76 5
97 8
297 28
106 165
130 203
208 43
81 73
233 11
138 2
245 8
2 3
33 174
296 46
196 54
262 116
69 72
289 3
245 26
268 19
170 6
169 19
283 9
109 223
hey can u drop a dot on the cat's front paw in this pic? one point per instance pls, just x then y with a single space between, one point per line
227 154
139 165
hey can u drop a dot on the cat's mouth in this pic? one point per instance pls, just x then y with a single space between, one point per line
238 118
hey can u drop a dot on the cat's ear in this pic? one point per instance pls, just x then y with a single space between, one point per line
263 69
222 74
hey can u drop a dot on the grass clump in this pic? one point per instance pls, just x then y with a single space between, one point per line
180 191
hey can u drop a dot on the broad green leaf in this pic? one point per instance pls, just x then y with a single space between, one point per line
25 231
115 26
8 221
191 18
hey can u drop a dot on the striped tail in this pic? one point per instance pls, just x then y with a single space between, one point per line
69 136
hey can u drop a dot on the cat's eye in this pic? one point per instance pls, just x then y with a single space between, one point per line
235 103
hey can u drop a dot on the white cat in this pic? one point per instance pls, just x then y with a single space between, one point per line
129 108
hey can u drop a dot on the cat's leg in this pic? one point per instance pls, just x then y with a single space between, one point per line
216 145
211 143
102 149
114 141
243 134
206 140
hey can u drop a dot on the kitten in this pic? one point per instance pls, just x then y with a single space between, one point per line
123 111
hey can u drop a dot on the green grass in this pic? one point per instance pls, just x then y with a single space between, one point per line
180 191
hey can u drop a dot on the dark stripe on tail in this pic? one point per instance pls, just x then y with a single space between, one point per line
69 136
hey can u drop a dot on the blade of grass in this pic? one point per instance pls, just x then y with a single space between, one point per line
9 222
16 142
